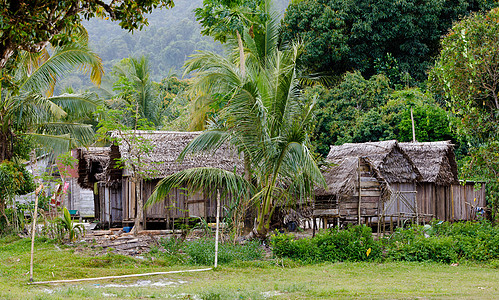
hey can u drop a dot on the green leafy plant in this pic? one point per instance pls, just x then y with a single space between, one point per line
354 244
66 226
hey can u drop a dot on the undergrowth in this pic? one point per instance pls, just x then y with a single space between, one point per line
202 251
439 242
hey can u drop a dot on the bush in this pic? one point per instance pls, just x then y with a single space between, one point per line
440 242
425 249
445 242
354 244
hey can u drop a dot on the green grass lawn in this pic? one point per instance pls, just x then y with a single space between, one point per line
244 280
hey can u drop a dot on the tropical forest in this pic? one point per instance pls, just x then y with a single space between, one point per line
249 149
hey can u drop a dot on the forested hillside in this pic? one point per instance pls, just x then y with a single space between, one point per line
172 35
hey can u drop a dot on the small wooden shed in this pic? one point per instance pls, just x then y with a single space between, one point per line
115 188
163 161
440 194
367 182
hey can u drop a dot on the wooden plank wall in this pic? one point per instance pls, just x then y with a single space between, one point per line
180 204
466 197
448 203
116 202
370 195
398 207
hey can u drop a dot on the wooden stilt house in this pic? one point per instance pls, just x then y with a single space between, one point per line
116 189
440 195
367 183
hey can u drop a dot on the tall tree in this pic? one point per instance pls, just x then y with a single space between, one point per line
27 105
133 86
265 117
352 35
30 25
467 75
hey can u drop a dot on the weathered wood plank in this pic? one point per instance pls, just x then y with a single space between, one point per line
326 212
368 193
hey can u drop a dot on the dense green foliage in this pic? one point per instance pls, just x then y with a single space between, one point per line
177 111
353 244
29 25
356 35
14 180
361 110
467 75
440 242
445 242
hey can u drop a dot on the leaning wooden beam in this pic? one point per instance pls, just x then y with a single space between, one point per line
116 277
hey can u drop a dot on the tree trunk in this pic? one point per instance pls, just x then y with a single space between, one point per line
242 64
138 225
2 211
5 146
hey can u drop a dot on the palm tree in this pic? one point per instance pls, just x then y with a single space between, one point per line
131 79
28 107
265 118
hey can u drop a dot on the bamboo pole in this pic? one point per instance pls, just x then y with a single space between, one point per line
360 188
116 277
413 130
33 231
217 228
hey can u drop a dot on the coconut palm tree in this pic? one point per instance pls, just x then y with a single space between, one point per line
132 86
264 117
28 106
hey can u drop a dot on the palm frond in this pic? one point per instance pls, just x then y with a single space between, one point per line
77 104
57 143
207 141
81 134
63 61
202 179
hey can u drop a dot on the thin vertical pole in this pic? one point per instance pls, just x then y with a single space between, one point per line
33 230
217 228
413 130
360 188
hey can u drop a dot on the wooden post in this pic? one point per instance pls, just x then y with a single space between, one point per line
314 224
217 228
33 231
413 130
452 201
391 224
416 205
360 188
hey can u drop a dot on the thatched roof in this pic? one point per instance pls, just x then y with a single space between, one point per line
435 161
92 165
162 161
389 163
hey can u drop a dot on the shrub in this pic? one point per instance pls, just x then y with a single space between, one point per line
354 244
445 242
425 249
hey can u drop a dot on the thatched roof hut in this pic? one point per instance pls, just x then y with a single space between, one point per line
388 162
162 160
92 165
435 161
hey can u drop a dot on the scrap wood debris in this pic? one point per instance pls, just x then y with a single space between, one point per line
119 242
